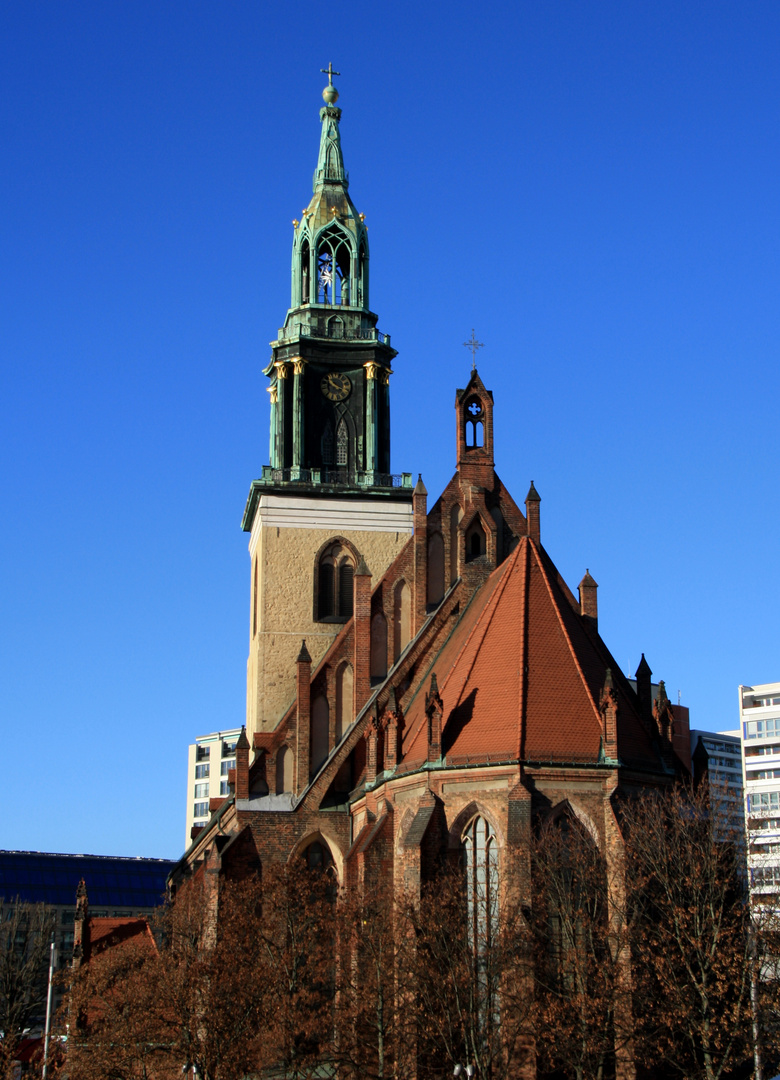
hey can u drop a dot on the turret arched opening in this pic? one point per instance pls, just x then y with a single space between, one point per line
305 271
334 265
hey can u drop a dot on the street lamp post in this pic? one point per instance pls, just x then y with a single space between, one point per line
52 964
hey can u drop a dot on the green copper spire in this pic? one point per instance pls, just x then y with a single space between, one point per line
330 366
330 164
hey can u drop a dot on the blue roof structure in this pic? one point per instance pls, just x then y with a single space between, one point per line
41 877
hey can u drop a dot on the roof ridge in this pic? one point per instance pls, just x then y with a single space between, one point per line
567 636
521 681
488 610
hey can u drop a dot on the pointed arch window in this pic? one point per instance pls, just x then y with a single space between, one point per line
476 541
362 276
305 271
474 418
317 856
480 850
334 263
335 584
342 444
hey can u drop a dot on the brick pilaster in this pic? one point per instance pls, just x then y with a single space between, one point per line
433 710
362 631
242 766
372 734
420 511
303 727
391 732
609 709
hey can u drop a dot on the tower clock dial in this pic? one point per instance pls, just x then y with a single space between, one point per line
335 386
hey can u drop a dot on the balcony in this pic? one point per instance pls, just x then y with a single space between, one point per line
336 477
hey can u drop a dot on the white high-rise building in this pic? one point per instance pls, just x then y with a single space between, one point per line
759 716
209 760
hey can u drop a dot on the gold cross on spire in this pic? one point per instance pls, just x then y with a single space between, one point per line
330 73
473 344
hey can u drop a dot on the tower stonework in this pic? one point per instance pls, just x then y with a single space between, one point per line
327 497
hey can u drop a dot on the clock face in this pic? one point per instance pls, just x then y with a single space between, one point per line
336 387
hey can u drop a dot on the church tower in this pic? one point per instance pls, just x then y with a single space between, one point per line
327 498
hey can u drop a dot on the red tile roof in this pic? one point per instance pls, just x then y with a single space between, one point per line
521 673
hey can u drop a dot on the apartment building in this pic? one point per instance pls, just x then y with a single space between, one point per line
759 716
209 759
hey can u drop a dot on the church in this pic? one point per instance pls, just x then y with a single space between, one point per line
421 680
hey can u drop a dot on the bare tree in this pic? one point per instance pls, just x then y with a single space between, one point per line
297 942
118 1026
692 936
25 935
579 953
473 978
372 984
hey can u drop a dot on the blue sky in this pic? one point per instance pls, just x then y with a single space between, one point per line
592 186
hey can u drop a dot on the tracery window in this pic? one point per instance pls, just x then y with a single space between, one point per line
305 257
480 849
342 444
334 259
474 424
334 583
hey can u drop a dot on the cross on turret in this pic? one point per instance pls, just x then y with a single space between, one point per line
473 345
330 73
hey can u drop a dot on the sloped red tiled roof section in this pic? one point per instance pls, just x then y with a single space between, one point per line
521 675
106 933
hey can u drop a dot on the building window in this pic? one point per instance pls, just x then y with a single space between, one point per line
333 266
762 729
474 424
226 766
334 582
229 748
201 772
201 791
202 753
481 858
317 856
764 800
224 787
201 810
342 444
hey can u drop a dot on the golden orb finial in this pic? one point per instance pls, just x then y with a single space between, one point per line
330 94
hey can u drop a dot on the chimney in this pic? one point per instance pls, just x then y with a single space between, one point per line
362 632
420 508
242 766
303 696
589 603
532 501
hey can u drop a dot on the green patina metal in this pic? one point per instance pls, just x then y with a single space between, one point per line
330 332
